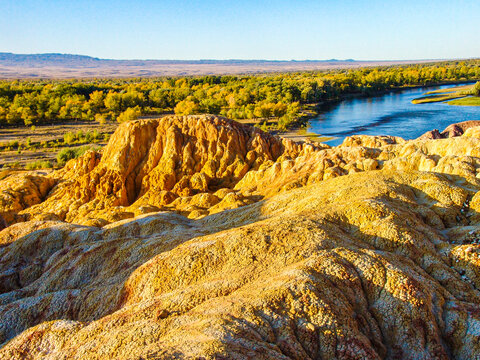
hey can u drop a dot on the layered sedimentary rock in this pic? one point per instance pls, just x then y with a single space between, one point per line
368 250
21 191
148 164
452 130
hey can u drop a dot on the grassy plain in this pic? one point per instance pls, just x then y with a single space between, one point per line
467 101
436 98
450 90
43 143
440 95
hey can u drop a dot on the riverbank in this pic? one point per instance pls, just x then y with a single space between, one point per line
388 91
390 114
312 111
444 95
301 130
437 98
467 101
302 134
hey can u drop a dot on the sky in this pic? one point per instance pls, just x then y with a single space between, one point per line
214 29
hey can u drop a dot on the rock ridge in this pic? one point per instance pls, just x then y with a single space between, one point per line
150 163
180 246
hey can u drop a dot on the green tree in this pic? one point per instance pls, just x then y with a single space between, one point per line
159 98
72 109
96 101
476 89
210 106
113 102
100 118
187 107
132 98
64 155
130 114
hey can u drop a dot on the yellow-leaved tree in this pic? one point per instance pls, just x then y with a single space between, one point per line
130 114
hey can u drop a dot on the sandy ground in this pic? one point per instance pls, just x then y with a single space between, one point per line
303 135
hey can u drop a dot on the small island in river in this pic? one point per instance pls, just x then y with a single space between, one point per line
466 95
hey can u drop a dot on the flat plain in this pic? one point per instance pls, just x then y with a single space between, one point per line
85 67
43 134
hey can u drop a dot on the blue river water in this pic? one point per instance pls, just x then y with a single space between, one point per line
390 114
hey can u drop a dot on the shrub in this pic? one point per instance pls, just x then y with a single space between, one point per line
100 118
476 89
69 138
65 155
89 137
39 164
96 135
13 165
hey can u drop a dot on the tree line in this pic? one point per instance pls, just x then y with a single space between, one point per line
32 102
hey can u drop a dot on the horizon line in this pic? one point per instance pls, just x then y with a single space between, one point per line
240 59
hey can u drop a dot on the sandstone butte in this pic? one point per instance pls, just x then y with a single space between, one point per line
201 238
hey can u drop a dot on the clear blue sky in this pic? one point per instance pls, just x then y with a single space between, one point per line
275 29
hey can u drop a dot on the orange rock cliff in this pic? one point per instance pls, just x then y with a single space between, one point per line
198 237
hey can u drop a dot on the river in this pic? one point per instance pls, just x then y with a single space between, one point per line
390 114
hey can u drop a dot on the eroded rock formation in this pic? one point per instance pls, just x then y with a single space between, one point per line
452 130
149 164
368 250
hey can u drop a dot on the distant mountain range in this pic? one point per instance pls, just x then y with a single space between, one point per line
45 59
83 60
55 65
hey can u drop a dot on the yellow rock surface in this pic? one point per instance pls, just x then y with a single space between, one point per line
150 163
20 191
369 250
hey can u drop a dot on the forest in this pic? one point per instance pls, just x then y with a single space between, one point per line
282 96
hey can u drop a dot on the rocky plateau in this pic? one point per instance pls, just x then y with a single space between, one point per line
197 237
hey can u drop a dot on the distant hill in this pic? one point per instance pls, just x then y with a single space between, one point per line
46 59
55 65
83 60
